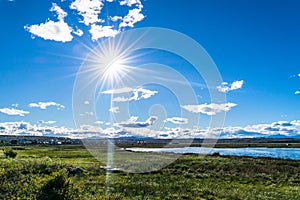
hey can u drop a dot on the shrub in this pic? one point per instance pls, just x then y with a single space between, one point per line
59 188
9 153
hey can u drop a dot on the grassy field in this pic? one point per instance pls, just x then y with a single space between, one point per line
43 172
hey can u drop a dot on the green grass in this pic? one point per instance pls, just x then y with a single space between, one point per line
189 177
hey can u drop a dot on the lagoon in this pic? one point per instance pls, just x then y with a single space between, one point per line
283 153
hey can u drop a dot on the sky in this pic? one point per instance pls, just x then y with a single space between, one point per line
254 45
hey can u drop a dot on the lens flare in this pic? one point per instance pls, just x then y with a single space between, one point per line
115 68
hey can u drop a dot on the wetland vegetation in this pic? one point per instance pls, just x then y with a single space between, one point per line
71 172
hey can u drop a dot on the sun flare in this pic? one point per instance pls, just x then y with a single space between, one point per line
109 63
114 69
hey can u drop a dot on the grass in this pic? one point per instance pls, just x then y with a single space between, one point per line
189 177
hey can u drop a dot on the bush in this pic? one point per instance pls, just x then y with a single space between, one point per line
59 188
9 153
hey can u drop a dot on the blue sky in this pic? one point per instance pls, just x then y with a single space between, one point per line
254 44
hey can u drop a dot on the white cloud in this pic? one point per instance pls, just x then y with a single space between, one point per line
135 15
51 30
137 94
15 105
297 92
225 87
237 85
132 123
130 3
116 18
88 9
26 128
145 94
50 122
133 119
44 105
296 123
177 120
57 31
294 76
178 132
61 14
46 122
90 13
209 109
280 128
118 91
99 31
283 128
121 99
13 111
114 109
78 32
133 127
86 102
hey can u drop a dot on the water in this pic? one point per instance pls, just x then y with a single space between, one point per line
284 153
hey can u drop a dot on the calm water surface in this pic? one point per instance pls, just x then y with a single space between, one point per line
285 153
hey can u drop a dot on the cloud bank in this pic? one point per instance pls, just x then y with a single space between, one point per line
134 128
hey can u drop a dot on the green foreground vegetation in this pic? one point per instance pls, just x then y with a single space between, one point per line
70 172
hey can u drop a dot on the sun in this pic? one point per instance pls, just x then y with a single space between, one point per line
114 70
109 64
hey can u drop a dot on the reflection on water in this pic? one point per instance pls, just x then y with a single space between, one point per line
286 153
